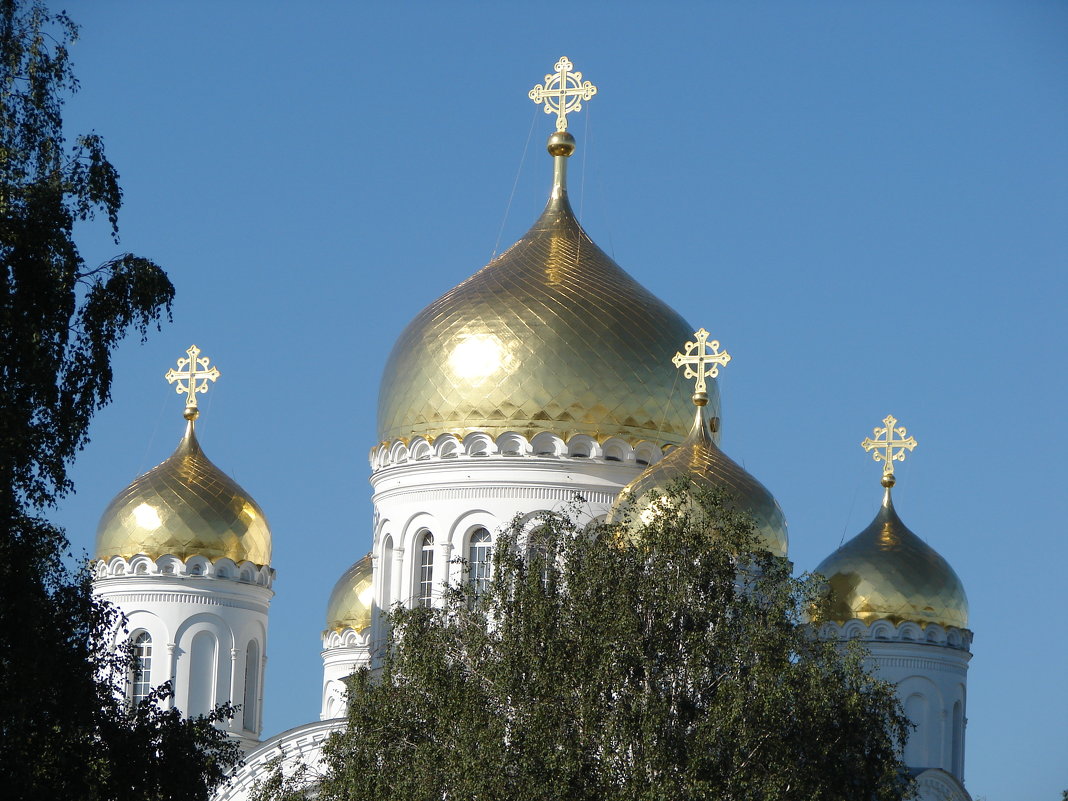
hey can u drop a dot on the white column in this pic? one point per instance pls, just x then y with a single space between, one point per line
236 684
172 665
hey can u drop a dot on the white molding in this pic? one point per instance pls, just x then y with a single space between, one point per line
938 785
302 744
125 598
475 493
512 445
904 632
194 567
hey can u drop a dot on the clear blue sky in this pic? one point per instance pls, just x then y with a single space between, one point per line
866 202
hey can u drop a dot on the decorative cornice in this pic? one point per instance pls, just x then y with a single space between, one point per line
511 445
919 663
126 599
469 492
169 566
938 785
302 744
346 638
905 633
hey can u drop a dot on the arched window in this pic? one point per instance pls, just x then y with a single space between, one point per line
141 669
426 569
479 556
541 552
250 708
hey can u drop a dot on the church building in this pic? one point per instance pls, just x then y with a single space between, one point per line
497 400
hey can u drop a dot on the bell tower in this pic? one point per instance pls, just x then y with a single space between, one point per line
185 553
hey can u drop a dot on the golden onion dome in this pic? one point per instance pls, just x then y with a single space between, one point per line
550 336
185 506
350 600
888 573
699 463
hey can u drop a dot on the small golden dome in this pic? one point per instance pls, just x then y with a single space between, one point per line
551 336
888 573
701 463
350 601
185 506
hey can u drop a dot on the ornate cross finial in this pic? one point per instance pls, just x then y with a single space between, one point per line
889 446
196 374
563 92
707 353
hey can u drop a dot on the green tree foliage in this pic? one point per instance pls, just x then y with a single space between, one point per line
627 661
65 731
284 779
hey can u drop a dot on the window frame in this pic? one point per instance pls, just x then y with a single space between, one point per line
479 560
140 679
424 570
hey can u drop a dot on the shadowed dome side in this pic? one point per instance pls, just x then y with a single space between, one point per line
888 573
699 463
551 336
185 506
350 600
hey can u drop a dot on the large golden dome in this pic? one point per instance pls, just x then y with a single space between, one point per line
699 463
887 572
551 336
350 601
185 506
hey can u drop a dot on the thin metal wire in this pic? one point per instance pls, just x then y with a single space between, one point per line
515 183
164 404
849 516
667 406
582 177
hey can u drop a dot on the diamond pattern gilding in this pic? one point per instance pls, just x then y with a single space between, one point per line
187 507
887 572
350 601
551 336
700 462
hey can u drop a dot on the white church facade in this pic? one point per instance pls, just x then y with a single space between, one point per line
507 407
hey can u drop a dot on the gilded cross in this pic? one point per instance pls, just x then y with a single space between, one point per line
707 353
563 92
889 445
196 374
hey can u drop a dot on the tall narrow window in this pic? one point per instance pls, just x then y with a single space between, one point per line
916 754
386 572
251 706
203 667
141 673
958 740
541 554
426 569
479 555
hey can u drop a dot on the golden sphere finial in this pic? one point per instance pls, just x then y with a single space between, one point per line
888 480
700 399
561 143
191 413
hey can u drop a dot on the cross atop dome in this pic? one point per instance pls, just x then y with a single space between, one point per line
563 92
195 372
700 352
889 446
